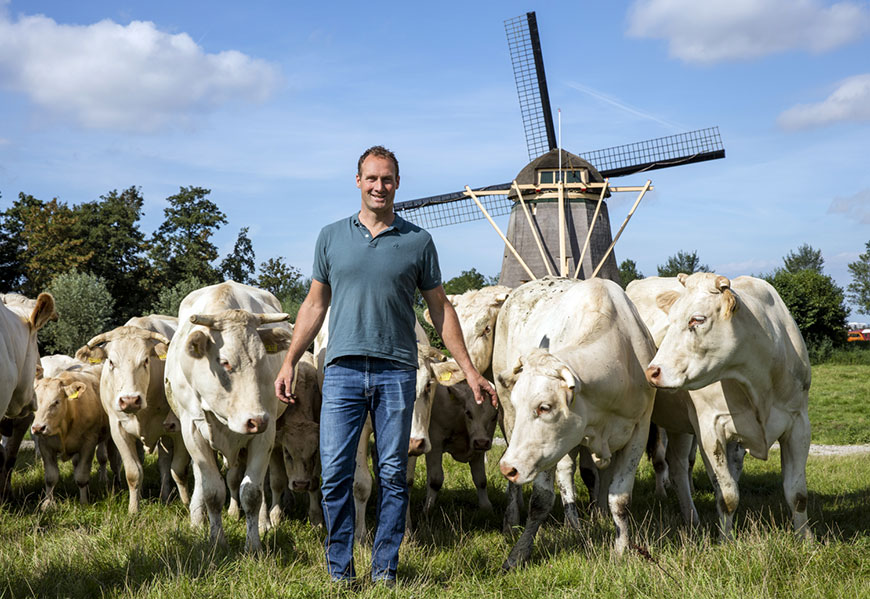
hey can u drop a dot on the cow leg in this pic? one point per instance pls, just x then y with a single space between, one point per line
278 483
656 451
178 467
235 472
52 474
693 452
164 458
540 504
591 477
362 484
315 510
477 463
103 461
409 479
622 470
251 489
514 506
11 445
126 444
434 475
565 470
209 490
82 472
677 456
715 455
114 462
795 447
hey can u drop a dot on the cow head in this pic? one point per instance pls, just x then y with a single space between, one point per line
480 419
53 396
700 343
300 440
225 357
132 361
478 310
424 393
550 417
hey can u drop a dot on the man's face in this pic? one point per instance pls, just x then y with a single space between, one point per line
378 184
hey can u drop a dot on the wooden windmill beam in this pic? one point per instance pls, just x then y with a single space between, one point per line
500 234
534 230
622 228
591 227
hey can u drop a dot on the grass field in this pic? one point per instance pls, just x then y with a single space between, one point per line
99 551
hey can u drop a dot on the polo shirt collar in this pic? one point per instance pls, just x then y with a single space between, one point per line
398 223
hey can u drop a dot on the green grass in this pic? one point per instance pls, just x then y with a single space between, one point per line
457 551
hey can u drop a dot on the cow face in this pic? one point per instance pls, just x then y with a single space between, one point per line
700 344
52 404
477 311
229 361
550 419
300 441
480 419
425 392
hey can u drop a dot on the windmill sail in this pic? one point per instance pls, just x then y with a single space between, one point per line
528 63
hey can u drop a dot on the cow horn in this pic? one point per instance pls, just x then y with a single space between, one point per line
681 277
158 337
272 317
203 319
100 339
722 283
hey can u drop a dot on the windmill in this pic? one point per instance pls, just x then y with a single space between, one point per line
559 223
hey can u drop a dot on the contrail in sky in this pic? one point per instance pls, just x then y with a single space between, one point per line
624 107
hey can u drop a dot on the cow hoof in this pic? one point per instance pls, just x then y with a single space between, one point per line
572 516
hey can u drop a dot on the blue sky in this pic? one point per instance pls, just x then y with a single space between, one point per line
269 104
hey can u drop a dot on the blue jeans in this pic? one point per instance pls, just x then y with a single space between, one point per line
353 387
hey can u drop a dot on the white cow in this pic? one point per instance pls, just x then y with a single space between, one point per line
20 319
133 395
739 338
570 360
220 370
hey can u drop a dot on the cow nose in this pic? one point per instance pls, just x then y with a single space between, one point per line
417 447
301 485
130 403
482 444
37 429
508 471
256 424
653 374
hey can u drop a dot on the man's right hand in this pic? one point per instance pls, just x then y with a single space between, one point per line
284 384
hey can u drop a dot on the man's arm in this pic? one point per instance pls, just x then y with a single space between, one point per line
446 322
308 323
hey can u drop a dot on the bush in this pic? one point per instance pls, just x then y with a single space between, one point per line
85 307
168 300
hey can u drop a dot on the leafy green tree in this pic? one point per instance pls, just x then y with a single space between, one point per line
859 288
628 272
682 262
804 258
85 307
282 280
170 298
13 243
239 264
181 248
818 307
467 280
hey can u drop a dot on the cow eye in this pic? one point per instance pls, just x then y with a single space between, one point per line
697 319
544 408
487 330
111 365
226 365
468 414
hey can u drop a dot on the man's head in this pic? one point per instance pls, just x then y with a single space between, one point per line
378 179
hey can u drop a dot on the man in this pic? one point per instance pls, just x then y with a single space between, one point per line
368 266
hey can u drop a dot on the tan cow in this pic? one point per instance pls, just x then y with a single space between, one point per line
220 373
735 346
70 423
133 396
570 356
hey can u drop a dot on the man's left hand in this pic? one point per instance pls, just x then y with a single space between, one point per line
482 389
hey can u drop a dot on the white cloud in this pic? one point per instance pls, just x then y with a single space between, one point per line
131 77
855 207
722 30
849 102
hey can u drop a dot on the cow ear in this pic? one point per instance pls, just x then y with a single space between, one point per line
666 299
197 344
160 350
39 372
568 377
448 373
91 355
722 283
508 378
75 390
500 298
43 311
276 340
681 277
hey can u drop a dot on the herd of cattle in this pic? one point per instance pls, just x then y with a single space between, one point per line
582 370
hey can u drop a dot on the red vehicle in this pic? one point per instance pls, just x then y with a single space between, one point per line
863 335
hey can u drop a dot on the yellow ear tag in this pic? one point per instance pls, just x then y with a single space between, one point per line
445 376
272 348
95 360
161 357
74 395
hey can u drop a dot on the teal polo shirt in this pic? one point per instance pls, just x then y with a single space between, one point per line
373 282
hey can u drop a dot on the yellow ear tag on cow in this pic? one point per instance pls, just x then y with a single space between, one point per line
95 360
161 357
74 395
272 348
445 376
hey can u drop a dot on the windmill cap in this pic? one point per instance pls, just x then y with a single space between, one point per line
550 160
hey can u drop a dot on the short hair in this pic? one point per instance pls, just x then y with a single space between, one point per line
381 152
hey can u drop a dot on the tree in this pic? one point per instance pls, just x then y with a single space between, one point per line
85 307
628 272
282 280
682 262
239 264
170 298
804 258
817 305
181 248
468 279
859 288
13 243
